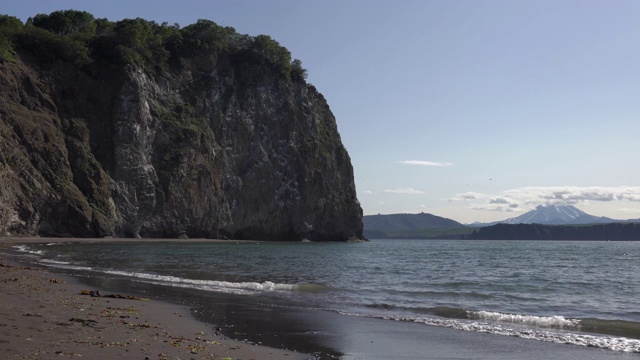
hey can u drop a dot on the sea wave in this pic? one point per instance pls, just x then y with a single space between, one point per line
55 262
624 328
209 285
64 265
558 322
240 288
27 249
616 343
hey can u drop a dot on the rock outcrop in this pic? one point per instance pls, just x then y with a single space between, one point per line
210 148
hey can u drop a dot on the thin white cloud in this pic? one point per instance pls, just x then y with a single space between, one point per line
630 210
425 163
368 192
499 200
408 191
469 196
496 207
515 200
574 194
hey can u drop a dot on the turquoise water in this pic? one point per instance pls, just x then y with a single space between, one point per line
582 293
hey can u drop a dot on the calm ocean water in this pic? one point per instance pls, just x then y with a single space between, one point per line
583 293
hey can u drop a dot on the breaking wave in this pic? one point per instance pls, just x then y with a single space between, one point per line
522 329
26 249
240 288
558 322
247 288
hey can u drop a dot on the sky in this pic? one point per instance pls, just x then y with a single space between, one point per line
474 110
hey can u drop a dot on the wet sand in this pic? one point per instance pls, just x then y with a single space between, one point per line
42 240
36 323
43 315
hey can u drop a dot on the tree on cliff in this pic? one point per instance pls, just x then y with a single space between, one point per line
9 27
133 128
66 22
76 36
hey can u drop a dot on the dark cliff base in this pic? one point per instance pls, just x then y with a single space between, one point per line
134 129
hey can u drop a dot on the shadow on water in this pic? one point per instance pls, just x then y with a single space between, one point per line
253 319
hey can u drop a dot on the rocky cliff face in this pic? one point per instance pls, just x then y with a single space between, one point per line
205 149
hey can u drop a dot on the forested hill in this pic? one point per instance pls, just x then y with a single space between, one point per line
395 222
612 231
134 128
421 225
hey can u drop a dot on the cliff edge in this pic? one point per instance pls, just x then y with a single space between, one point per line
134 129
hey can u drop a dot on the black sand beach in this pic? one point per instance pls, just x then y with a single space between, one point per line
252 320
44 315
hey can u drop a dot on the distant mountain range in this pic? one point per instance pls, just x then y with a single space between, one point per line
395 222
610 231
421 225
557 215
428 226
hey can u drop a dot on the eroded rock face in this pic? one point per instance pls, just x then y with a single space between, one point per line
199 151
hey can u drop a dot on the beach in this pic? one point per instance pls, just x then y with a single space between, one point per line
44 315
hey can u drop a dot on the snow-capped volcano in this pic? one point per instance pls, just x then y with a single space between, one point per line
556 215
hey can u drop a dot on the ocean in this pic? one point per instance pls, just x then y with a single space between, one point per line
308 296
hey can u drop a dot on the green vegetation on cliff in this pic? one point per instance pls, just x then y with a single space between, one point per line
133 128
78 37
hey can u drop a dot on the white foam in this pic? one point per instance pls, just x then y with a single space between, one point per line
540 321
55 262
209 285
604 342
63 265
26 249
240 288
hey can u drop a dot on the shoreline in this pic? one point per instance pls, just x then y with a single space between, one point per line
324 334
47 240
44 315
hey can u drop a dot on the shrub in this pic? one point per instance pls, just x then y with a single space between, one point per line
48 47
9 27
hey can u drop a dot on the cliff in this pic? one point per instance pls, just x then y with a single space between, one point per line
612 231
218 138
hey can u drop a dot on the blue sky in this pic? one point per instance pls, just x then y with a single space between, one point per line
472 110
